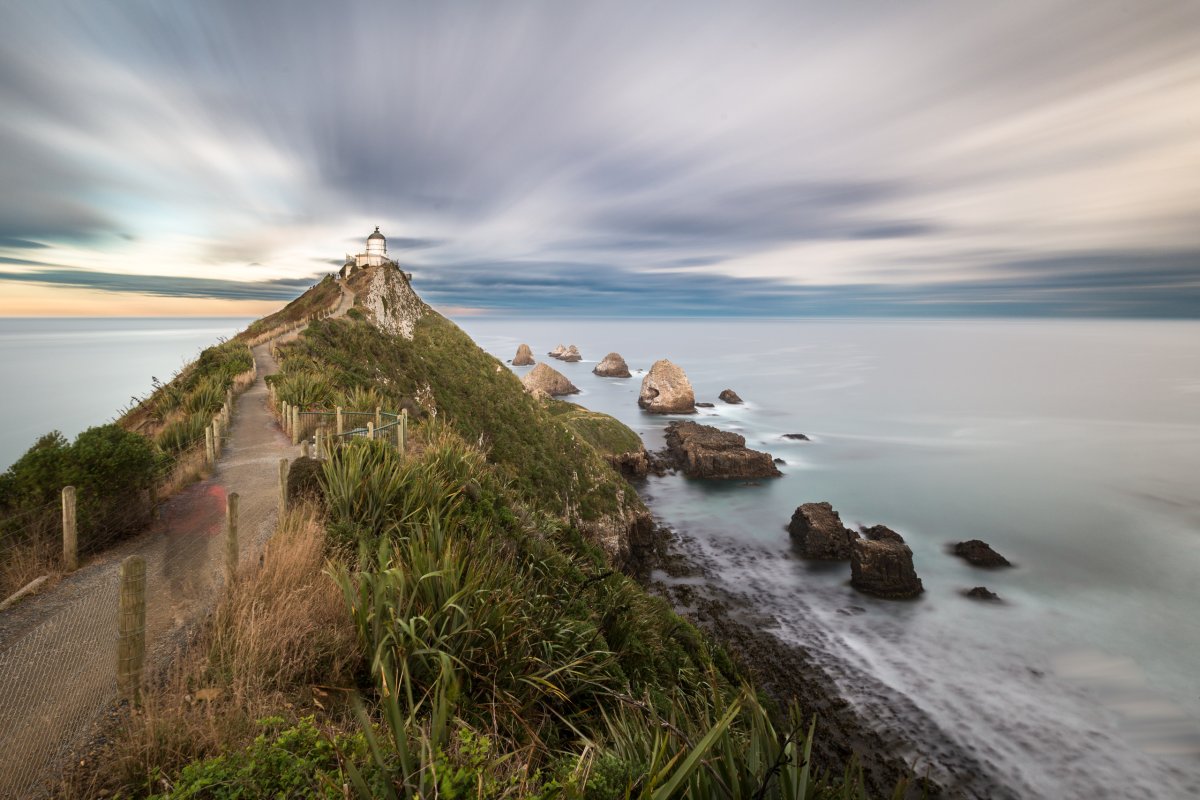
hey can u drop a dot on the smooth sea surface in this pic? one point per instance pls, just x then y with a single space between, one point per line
1072 447
69 374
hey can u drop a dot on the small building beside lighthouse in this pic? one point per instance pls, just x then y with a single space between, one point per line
375 256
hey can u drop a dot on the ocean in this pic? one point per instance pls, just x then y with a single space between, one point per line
1072 447
69 374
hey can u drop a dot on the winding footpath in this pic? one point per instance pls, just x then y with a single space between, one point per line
58 649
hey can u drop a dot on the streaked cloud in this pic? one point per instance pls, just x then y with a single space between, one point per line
774 157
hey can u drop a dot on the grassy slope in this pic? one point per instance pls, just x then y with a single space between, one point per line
321 297
553 464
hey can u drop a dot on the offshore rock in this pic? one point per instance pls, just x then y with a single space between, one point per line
556 352
982 593
702 451
613 366
524 356
817 531
547 379
570 354
667 390
980 554
884 566
730 396
798 437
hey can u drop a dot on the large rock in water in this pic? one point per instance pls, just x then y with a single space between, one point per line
613 366
556 352
547 379
571 354
667 390
524 356
730 396
883 566
818 532
702 451
980 554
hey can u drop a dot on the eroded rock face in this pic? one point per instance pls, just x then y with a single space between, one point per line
546 378
524 356
884 566
667 390
391 302
702 451
571 354
730 396
980 554
556 352
612 366
818 533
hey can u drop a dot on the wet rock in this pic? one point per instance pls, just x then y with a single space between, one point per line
612 366
799 437
979 553
571 354
702 451
547 379
524 356
667 390
818 533
730 396
982 593
884 566
882 533
705 405
780 461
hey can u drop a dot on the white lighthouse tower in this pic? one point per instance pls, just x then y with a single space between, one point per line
376 251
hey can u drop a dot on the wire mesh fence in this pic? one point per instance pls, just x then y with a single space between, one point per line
59 653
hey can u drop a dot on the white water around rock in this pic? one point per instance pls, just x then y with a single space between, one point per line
1073 447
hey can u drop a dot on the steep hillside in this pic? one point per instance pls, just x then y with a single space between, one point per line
396 346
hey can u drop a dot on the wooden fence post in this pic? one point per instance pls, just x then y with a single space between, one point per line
378 417
231 538
285 417
209 455
131 629
295 425
402 432
216 431
283 475
370 430
70 533
320 443
340 430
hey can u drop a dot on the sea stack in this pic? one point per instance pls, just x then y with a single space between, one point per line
571 354
545 378
882 565
613 366
557 352
667 390
524 356
818 533
703 451
731 397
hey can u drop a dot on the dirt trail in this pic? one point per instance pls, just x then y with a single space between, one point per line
58 649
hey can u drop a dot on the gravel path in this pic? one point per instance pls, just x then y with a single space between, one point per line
58 649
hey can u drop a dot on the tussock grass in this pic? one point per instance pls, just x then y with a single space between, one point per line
279 640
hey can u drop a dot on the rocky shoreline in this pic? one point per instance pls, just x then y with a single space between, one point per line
675 569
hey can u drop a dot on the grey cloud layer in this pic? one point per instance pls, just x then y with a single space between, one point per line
730 158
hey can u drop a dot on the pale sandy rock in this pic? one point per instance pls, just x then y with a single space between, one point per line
613 366
391 302
571 354
557 352
549 380
524 356
667 390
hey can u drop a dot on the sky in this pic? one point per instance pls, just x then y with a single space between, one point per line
1036 158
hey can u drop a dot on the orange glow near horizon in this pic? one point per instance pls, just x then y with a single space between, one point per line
32 300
